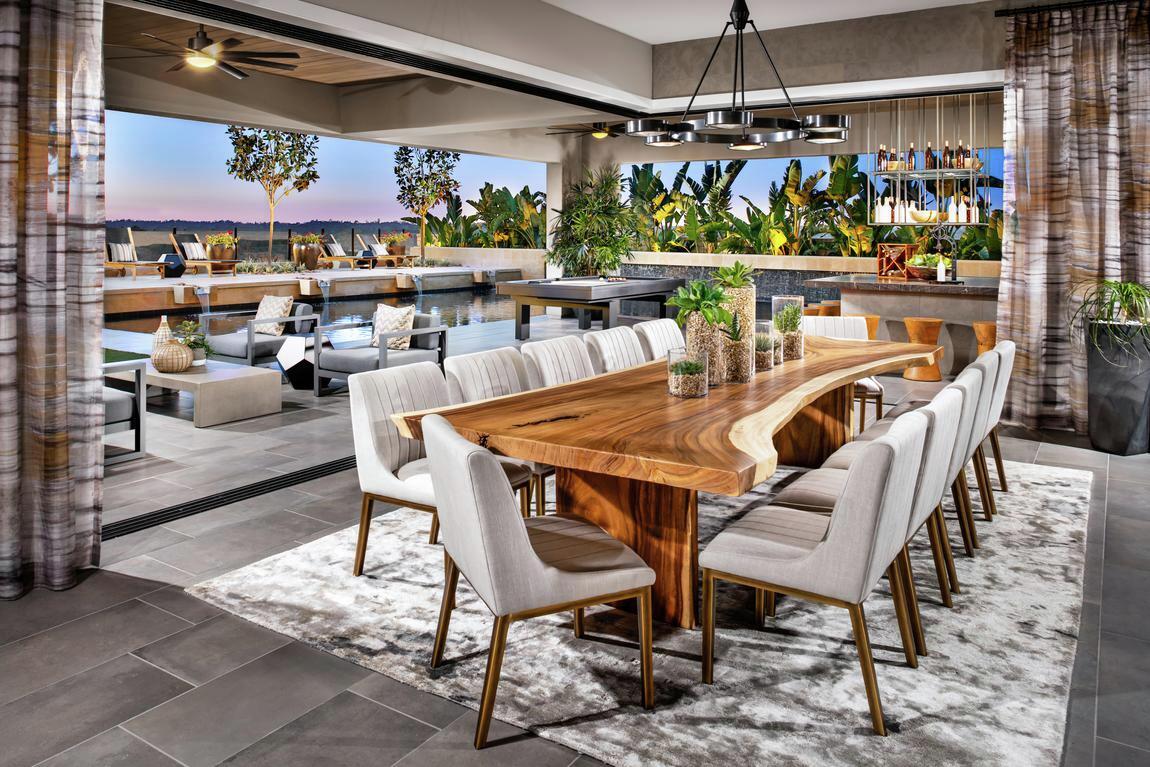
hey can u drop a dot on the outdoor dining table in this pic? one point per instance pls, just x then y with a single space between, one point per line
632 458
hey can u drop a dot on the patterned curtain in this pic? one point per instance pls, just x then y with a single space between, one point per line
51 307
1077 178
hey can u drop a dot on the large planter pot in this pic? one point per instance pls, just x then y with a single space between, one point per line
307 254
703 337
1118 386
220 252
396 250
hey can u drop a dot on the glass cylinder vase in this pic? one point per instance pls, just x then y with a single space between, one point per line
787 316
687 373
764 345
703 337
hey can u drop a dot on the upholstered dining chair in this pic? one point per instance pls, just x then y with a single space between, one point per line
556 361
392 468
1005 352
523 568
834 559
614 349
659 337
495 373
867 389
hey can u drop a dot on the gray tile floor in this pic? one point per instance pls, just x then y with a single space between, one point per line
127 669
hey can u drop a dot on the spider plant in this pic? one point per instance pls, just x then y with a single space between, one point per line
1115 315
704 298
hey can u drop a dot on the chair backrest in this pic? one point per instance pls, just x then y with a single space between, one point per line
836 327
942 415
969 382
427 340
556 361
188 245
988 363
474 377
1005 352
658 337
479 520
333 246
378 394
614 349
869 521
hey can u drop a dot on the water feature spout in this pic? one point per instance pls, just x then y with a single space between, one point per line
204 293
325 289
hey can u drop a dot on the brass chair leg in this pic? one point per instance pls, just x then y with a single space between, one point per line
939 559
878 408
525 500
866 661
968 509
540 495
433 536
491 679
894 576
646 631
964 531
947 552
578 621
364 526
911 595
996 448
708 626
450 582
985 491
764 606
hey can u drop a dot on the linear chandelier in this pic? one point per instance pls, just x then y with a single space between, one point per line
738 128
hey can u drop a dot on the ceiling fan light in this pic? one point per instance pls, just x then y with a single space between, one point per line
663 140
827 137
729 119
199 61
646 128
828 123
600 133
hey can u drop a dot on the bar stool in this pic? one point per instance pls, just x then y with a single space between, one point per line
872 321
986 333
830 309
923 330
811 311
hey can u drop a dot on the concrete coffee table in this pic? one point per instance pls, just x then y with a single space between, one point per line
223 392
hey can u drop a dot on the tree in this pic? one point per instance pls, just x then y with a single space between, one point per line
279 161
424 178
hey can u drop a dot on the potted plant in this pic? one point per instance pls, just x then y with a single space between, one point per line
789 324
220 246
1115 317
306 250
738 352
596 229
701 309
737 281
764 346
191 335
686 374
396 242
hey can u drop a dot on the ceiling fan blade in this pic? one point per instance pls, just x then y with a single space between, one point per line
227 68
141 56
178 66
161 40
260 54
222 46
267 64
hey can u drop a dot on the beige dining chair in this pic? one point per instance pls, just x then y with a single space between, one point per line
1005 352
556 361
523 568
495 373
393 468
834 559
614 349
867 389
659 337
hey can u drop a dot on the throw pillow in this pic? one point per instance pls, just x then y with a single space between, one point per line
194 251
389 319
120 252
273 306
335 250
378 249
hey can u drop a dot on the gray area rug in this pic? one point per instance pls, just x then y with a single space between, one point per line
993 690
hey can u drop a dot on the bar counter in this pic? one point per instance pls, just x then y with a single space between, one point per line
958 304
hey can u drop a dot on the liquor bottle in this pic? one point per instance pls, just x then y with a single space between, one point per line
960 156
928 157
910 158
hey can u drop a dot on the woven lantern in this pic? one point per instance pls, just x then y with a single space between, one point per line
172 357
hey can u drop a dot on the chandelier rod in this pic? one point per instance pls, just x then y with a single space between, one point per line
778 77
706 69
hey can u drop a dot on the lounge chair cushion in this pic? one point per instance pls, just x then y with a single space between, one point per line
378 249
429 340
273 306
391 319
364 358
236 344
335 250
194 251
119 406
121 252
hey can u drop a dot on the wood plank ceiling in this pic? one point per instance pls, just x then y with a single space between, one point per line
124 26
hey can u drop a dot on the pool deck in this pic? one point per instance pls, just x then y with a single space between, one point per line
127 295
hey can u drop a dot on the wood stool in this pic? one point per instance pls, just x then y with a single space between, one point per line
923 330
830 308
872 321
811 311
986 333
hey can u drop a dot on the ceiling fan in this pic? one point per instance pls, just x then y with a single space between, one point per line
594 130
202 52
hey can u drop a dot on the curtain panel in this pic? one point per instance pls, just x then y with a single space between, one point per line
1077 190
51 306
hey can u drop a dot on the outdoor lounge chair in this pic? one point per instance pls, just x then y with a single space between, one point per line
337 258
428 344
196 257
247 347
125 410
379 251
120 249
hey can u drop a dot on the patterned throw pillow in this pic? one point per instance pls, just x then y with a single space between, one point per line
194 251
273 306
389 319
120 252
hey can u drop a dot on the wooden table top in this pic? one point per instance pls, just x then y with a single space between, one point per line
626 424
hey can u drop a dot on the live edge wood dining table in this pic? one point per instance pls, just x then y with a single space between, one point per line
632 458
